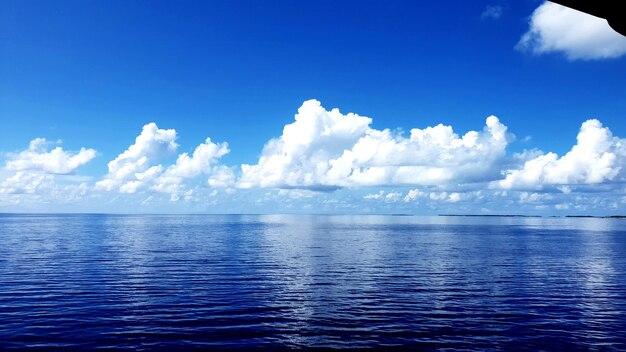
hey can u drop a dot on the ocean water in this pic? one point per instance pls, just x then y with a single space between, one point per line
81 282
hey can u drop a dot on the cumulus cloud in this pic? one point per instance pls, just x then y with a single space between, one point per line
326 150
25 183
378 195
597 157
38 188
202 161
426 196
41 174
413 195
136 167
32 172
131 169
56 161
393 197
450 197
390 197
222 177
431 169
528 197
556 28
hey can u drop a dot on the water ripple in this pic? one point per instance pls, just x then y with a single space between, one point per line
292 282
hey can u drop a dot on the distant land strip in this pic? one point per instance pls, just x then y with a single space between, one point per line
536 216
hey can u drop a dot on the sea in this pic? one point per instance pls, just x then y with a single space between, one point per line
318 282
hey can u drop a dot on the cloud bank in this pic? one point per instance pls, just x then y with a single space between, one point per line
367 170
35 172
556 28
597 157
327 150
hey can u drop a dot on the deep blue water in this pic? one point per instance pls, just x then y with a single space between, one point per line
281 282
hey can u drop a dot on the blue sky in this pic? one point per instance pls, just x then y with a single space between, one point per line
93 74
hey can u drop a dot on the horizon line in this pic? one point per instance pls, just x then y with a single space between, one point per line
321 214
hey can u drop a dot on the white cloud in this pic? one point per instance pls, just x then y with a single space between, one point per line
454 197
390 197
393 197
296 193
445 196
131 169
39 188
428 170
130 186
597 157
556 28
56 161
565 189
492 12
378 195
134 169
202 161
204 156
327 149
222 177
562 206
32 172
25 183
413 195
528 197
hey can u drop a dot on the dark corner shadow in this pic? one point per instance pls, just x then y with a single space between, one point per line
610 10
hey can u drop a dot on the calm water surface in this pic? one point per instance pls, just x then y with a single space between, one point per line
74 282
